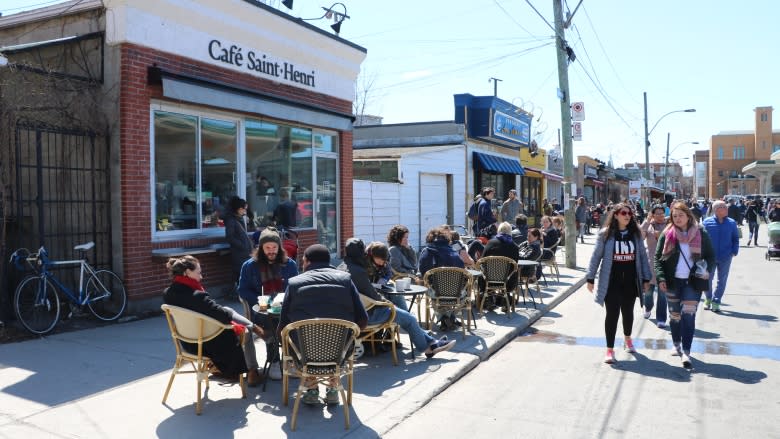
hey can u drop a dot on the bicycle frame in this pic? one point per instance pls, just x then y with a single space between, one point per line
85 272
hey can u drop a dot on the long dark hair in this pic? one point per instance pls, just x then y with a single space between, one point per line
611 224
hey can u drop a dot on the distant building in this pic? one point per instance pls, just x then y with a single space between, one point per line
732 151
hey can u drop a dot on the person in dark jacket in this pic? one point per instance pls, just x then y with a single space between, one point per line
355 263
520 232
502 245
485 215
753 216
225 352
325 292
774 212
286 211
681 245
403 258
530 250
438 253
236 235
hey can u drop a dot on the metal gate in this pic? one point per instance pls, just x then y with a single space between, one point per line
62 191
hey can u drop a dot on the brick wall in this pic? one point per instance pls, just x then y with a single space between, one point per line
145 276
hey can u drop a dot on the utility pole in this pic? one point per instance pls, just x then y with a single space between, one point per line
495 85
666 162
566 145
647 154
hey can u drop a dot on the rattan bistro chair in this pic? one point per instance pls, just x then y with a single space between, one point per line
192 327
551 260
449 290
497 270
382 332
319 349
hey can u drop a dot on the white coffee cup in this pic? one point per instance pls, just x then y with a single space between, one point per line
399 285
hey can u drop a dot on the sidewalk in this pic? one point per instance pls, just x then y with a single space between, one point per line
108 382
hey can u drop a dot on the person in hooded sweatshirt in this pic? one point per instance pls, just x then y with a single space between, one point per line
503 245
356 263
438 253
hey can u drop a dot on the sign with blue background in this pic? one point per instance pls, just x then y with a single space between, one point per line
489 117
510 128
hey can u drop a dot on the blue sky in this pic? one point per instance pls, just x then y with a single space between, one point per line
714 56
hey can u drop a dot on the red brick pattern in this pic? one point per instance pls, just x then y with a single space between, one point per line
145 276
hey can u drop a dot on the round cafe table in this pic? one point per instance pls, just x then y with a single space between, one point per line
414 291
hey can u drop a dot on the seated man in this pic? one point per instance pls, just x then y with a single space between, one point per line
520 231
321 291
265 274
503 245
355 262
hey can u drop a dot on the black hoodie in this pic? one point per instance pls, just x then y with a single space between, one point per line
355 264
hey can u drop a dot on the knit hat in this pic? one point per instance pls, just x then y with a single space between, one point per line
270 235
317 253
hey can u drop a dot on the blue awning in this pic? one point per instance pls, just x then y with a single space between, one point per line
497 164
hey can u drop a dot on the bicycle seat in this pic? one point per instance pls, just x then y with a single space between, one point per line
85 247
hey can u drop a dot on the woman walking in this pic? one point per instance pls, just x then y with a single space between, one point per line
621 254
680 246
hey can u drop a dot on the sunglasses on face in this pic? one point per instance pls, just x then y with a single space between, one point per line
626 213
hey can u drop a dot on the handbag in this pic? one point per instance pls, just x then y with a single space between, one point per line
697 283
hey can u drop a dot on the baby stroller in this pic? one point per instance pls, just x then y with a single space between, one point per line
773 248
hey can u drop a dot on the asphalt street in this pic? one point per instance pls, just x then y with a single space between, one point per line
552 382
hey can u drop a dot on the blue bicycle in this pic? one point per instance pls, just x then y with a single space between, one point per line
37 302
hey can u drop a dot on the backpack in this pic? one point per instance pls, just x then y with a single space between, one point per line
473 211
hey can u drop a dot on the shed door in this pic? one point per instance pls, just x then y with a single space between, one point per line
435 202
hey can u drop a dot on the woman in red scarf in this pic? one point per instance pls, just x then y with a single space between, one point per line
228 356
680 246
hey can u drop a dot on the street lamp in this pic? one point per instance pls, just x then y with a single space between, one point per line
666 158
647 134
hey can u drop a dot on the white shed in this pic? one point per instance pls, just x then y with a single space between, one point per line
429 190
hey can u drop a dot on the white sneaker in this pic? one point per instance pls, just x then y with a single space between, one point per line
275 371
662 324
686 360
676 350
647 314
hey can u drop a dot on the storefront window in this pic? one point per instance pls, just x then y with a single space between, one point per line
501 182
218 168
530 196
187 196
175 152
279 171
200 162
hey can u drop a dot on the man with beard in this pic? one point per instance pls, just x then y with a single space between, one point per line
265 274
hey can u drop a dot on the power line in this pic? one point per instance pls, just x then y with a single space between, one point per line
19 8
545 20
511 17
606 98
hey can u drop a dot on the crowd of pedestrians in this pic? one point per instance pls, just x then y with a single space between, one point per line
681 251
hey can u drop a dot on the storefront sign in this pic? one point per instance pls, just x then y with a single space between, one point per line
510 128
259 62
591 171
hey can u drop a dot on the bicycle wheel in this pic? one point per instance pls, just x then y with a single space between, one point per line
37 305
106 295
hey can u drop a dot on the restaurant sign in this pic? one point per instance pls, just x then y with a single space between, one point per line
510 128
257 62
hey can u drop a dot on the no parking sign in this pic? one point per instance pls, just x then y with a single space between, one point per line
578 111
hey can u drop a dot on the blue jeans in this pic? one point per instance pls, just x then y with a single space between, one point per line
722 268
683 321
660 310
420 339
753 228
398 300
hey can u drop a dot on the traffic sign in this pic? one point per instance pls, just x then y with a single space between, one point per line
578 111
576 131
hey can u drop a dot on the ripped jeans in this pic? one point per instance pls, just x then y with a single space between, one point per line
683 302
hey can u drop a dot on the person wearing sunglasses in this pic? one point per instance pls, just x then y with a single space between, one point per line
625 271
651 230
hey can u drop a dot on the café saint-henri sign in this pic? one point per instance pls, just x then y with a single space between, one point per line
258 62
